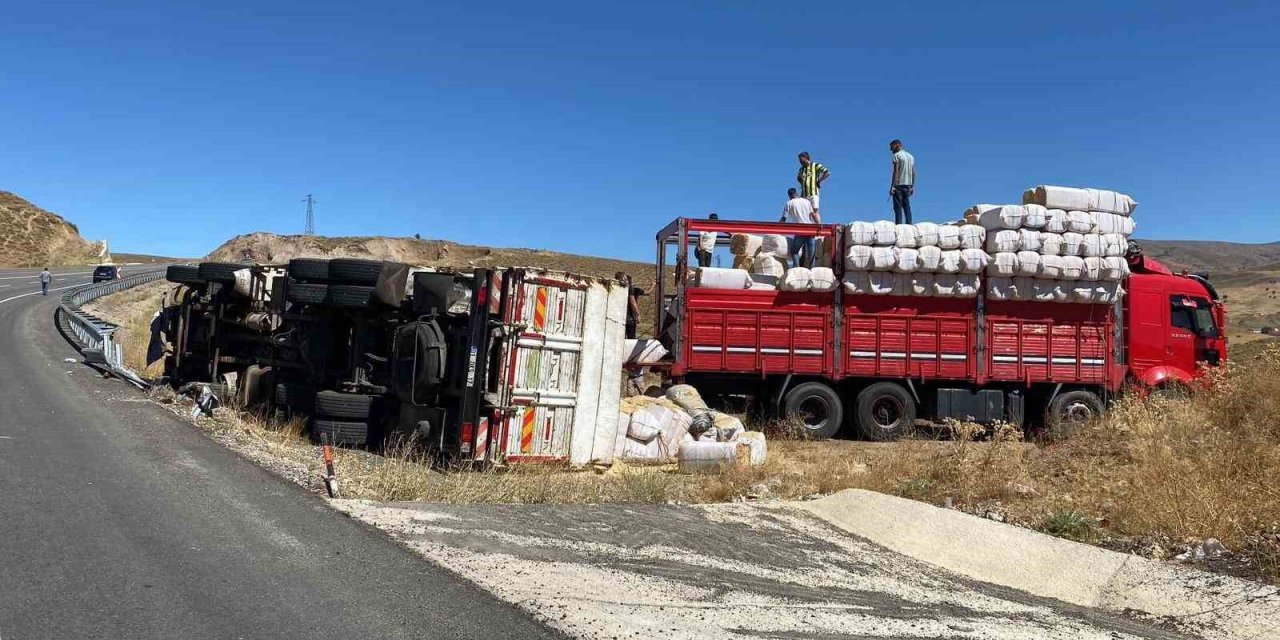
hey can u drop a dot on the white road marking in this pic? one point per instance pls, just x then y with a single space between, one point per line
37 275
36 293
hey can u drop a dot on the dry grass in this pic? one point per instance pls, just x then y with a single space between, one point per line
34 237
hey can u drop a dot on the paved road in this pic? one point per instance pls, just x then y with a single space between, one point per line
118 520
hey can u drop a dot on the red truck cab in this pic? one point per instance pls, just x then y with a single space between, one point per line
877 363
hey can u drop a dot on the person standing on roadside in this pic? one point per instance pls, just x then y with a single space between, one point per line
902 184
46 279
706 244
811 176
799 210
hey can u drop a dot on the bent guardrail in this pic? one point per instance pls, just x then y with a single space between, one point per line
90 334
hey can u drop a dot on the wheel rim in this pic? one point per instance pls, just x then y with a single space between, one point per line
887 412
1077 413
814 412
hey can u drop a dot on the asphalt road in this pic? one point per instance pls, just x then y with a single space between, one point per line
119 520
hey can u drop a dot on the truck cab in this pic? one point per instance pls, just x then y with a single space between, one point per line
1175 325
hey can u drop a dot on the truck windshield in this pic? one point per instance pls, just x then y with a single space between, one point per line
1193 314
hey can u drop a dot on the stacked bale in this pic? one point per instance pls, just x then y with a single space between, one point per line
765 258
925 259
1048 254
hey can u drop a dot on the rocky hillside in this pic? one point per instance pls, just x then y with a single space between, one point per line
33 237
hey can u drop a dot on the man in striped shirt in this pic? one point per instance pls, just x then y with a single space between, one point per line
811 176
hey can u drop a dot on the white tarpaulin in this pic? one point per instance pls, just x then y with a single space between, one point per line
1056 197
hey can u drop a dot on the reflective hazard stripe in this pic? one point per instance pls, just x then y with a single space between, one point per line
526 429
900 355
765 350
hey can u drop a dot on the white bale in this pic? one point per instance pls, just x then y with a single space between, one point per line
1050 267
1072 244
1091 246
1055 221
1083 292
1024 288
1050 243
1001 288
903 284
858 257
775 245
645 351
886 233
716 278
863 233
756 442
1103 222
796 279
647 423
930 258
763 283
1030 240
973 214
857 282
1079 222
1008 216
1072 267
922 284
950 261
884 258
968 285
1028 263
1114 269
944 285
972 236
1056 197
881 283
687 397
767 265
1114 244
1093 267
635 450
744 244
974 260
908 261
1003 265
727 427
822 279
949 236
707 456
907 236
1043 290
926 234
1037 216
1108 292
1004 241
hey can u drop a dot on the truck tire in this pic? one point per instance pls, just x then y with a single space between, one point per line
309 270
300 397
884 411
184 274
307 293
335 404
350 271
224 272
818 407
350 295
1070 411
340 432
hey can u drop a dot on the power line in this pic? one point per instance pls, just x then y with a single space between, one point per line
310 229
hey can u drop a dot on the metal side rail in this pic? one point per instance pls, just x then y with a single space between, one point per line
90 334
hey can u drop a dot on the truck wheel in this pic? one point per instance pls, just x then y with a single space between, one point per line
335 404
1070 411
299 397
349 271
309 269
885 411
350 295
224 272
307 293
340 432
184 274
818 407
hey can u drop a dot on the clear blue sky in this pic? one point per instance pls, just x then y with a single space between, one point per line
586 127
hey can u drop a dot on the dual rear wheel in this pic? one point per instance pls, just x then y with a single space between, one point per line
881 411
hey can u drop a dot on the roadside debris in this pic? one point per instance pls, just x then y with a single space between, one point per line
1210 550
680 427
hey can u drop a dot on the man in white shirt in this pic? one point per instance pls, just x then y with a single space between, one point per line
706 244
800 210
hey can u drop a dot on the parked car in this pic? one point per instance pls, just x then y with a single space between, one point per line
106 272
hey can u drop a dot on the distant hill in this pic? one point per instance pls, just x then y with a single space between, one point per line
33 237
1213 257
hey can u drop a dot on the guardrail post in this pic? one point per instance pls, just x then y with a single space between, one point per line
93 338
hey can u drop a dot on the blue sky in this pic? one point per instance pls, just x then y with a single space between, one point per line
585 127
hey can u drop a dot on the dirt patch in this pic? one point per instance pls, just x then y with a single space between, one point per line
34 237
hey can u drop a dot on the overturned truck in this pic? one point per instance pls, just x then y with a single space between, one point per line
480 365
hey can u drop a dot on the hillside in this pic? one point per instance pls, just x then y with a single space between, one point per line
33 237
1214 257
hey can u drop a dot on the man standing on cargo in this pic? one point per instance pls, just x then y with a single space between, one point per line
706 244
45 279
902 184
799 210
811 176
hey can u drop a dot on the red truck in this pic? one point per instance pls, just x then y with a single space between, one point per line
878 363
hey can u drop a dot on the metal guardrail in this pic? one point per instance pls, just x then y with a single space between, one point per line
91 334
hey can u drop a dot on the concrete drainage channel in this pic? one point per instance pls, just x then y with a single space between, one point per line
92 335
